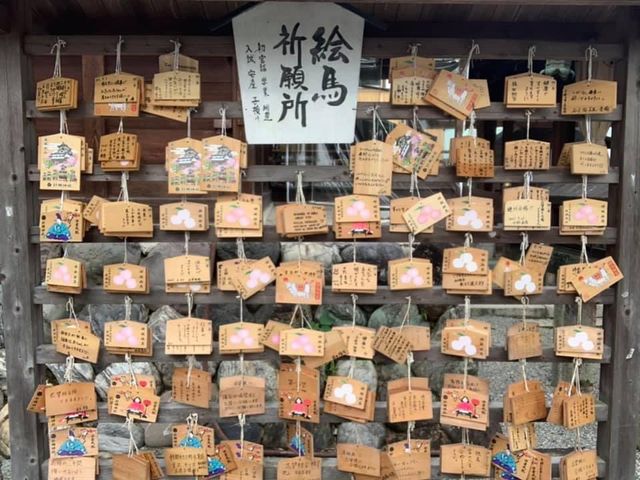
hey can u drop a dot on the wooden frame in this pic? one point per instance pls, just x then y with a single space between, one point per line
619 408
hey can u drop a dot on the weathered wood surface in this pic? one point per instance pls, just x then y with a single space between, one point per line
432 296
211 109
46 354
19 259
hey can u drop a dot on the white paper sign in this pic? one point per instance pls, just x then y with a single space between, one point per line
299 66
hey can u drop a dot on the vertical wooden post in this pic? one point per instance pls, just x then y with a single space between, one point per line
19 259
620 379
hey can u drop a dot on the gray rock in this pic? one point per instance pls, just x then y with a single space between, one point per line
3 369
5 469
369 434
323 437
96 255
98 315
224 314
254 368
154 261
82 372
103 379
376 254
386 373
424 430
255 250
158 322
114 437
275 435
55 312
435 371
166 369
339 314
364 371
325 253
157 435
252 431
391 315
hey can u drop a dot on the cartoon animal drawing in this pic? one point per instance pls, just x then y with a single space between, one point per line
457 94
597 279
299 290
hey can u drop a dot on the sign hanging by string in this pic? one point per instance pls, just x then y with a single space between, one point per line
299 69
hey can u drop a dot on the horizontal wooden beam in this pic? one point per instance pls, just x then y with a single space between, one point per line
440 235
329 469
338 173
171 412
46 354
497 111
432 296
376 47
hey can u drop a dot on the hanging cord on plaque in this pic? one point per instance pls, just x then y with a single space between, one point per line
189 112
475 49
468 241
57 47
242 420
68 369
176 54
119 54
133 446
530 54
584 258
590 53
526 187
64 126
241 355
413 183
524 300
354 306
524 244
413 51
124 187
71 311
575 382
191 359
579 311
528 114
223 120
467 315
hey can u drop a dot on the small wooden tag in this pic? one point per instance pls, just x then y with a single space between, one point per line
475 161
221 164
357 208
240 337
527 214
452 93
538 256
186 461
580 465
79 468
183 161
57 93
472 340
299 399
242 395
117 95
191 388
419 336
300 467
346 391
134 402
176 88
589 159
125 278
470 214
589 97
579 410
78 341
521 437
503 266
251 278
70 399
467 459
184 216
301 342
59 159
372 164
359 341
392 344
358 459
409 460
529 90
579 341
527 155
354 277
556 411
410 274
524 341
596 277
465 260
189 336
427 212
523 281
409 401
299 283
73 442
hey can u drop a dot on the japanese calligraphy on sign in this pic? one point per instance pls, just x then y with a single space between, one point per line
299 69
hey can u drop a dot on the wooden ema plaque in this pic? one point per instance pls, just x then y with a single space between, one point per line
527 155
596 277
334 348
524 402
407 460
452 93
187 273
221 164
73 442
527 214
414 150
189 336
65 275
397 209
179 114
72 337
240 337
475 161
184 435
427 212
176 89
358 340
358 459
372 164
295 468
78 468
118 95
524 341
410 84
466 407
191 388
126 219
57 93
238 215
183 162
241 395
299 400
470 339
184 216
346 391
410 274
61 222
119 151
589 97
252 277
529 90
588 159
299 220
465 459
470 214
299 283
409 400
579 341
60 158
354 277
465 142
125 278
